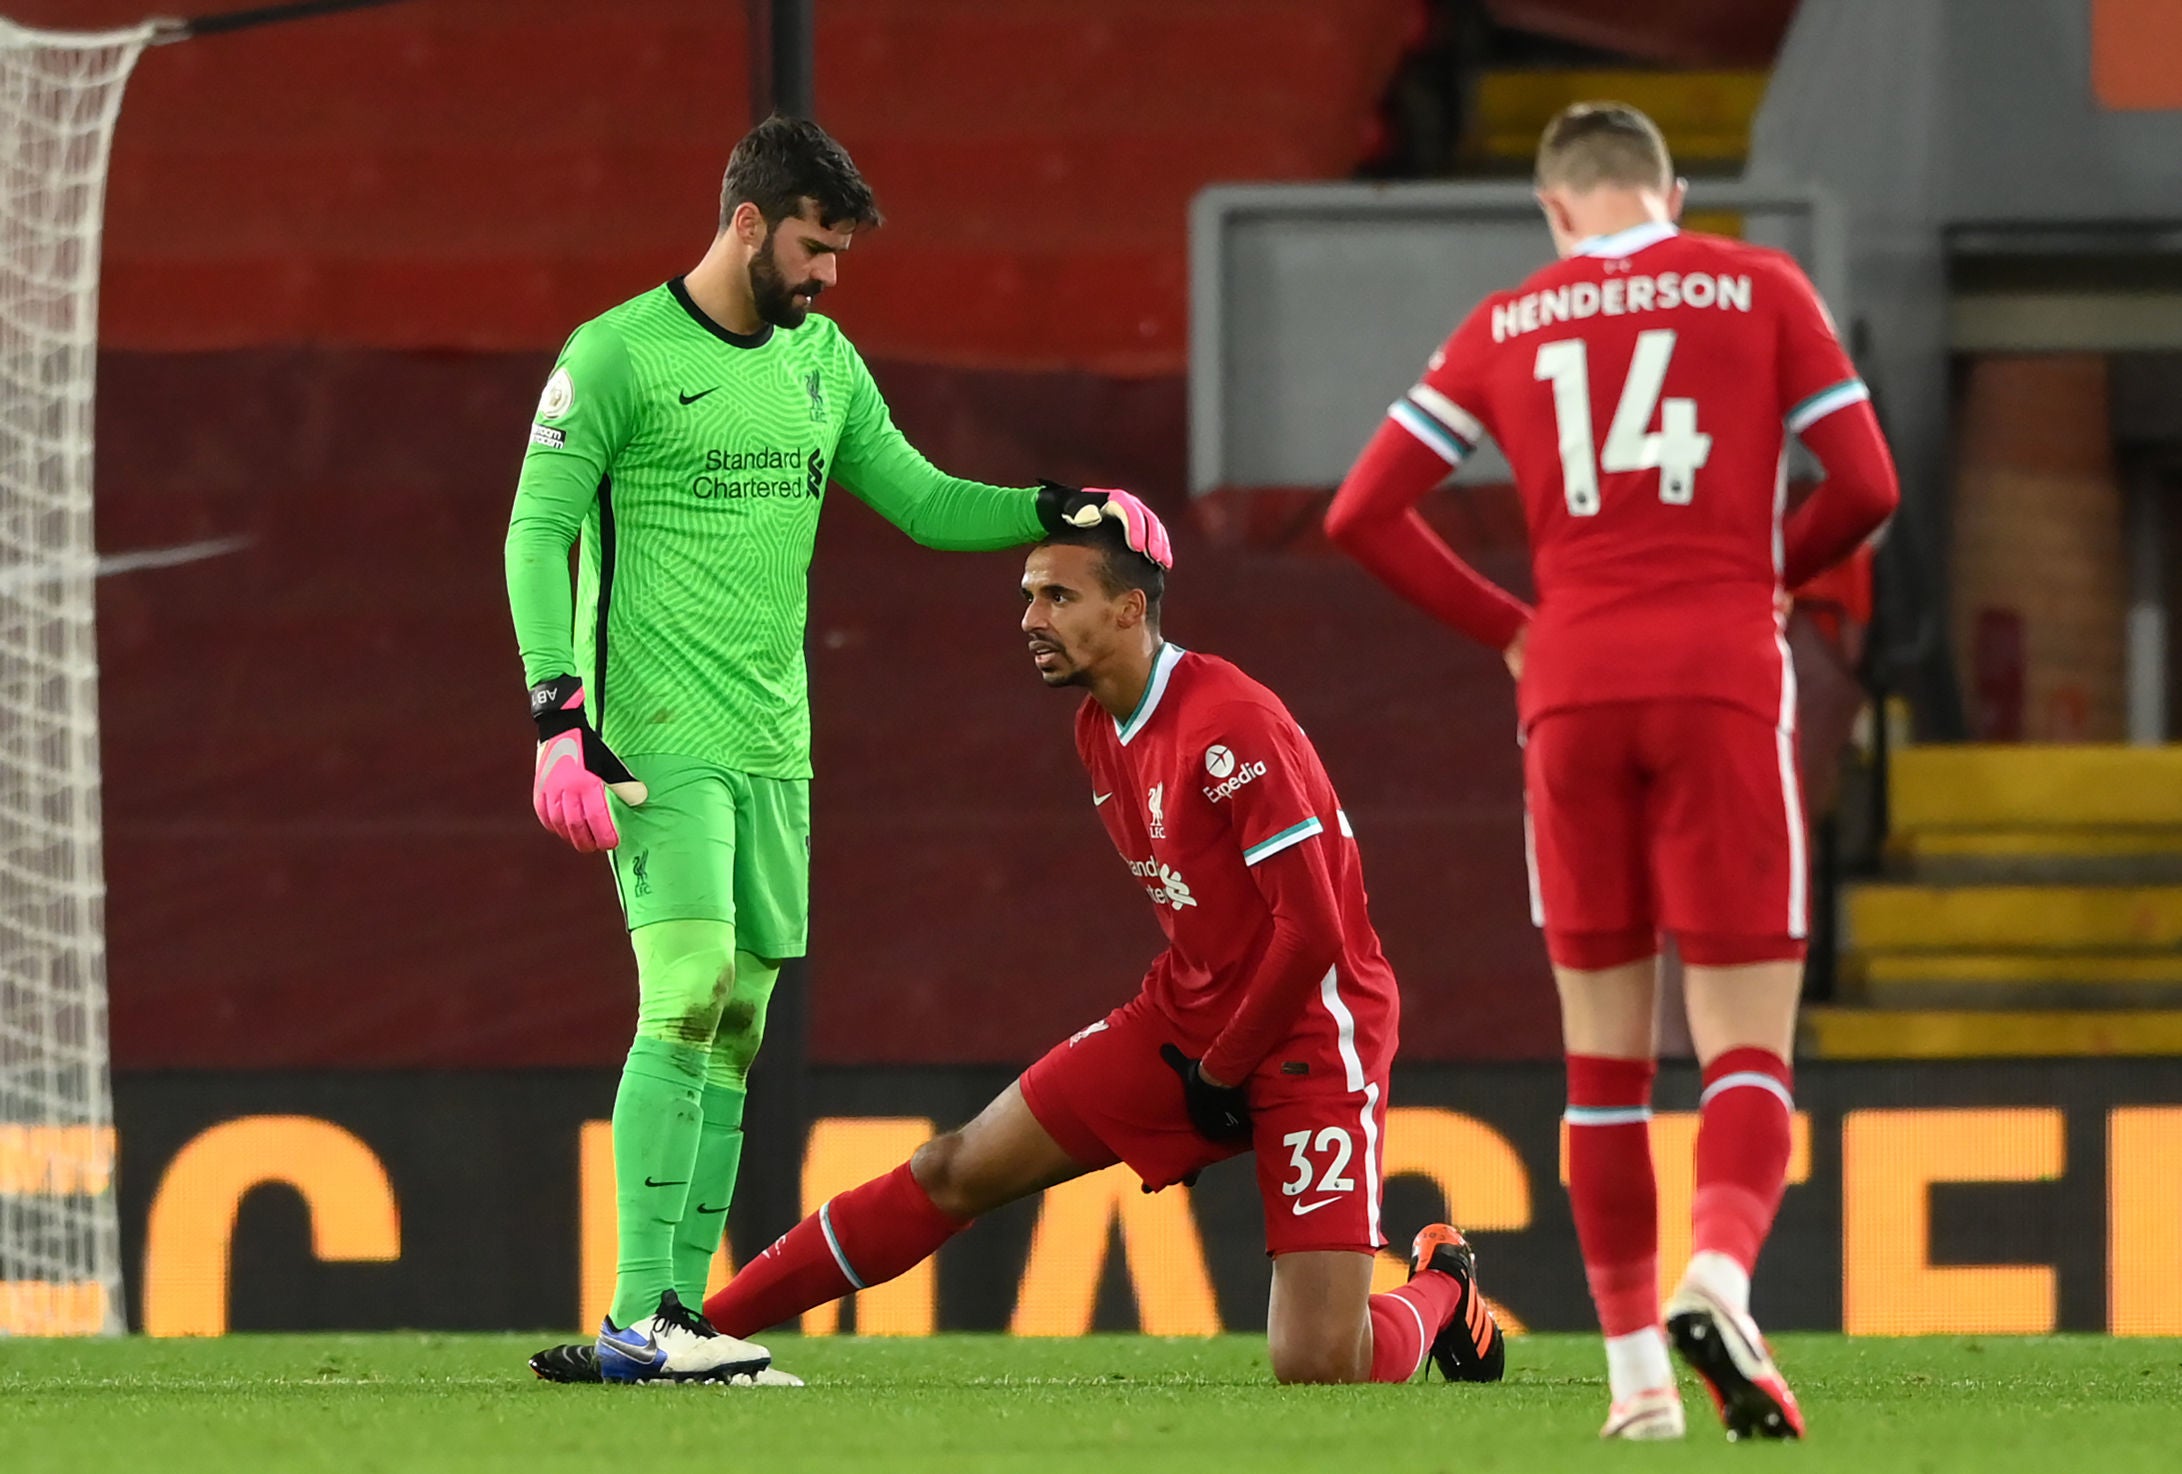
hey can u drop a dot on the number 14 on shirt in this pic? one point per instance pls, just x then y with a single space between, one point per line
1677 449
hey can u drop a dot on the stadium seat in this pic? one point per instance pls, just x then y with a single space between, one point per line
448 162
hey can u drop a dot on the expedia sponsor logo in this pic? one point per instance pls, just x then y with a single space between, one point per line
1244 773
744 475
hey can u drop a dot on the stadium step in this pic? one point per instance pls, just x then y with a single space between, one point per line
2036 787
1705 115
2027 883
2025 856
1882 1034
2063 980
1986 918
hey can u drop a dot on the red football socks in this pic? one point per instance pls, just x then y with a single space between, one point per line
1611 1187
863 1237
1743 1122
1405 1323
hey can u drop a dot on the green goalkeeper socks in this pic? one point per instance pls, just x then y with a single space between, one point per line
658 1121
711 1189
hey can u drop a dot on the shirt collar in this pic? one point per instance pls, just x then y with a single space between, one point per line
1627 242
703 319
1163 664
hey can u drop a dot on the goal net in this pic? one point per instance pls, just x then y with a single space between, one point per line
60 1269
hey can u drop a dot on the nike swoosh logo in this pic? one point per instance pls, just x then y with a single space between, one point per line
1099 798
703 1209
693 398
683 1183
563 751
1302 1208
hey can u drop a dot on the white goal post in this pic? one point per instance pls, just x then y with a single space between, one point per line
60 1269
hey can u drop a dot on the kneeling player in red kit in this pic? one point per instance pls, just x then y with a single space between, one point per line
1642 388
1267 1025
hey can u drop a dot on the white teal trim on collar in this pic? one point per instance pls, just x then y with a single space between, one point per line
1294 834
1627 242
1163 664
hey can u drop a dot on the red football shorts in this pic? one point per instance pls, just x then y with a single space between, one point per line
1317 1105
1664 816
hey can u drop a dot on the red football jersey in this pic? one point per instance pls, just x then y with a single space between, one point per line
1643 390
1209 778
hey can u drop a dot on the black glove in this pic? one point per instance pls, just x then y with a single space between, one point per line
1059 506
1187 1179
1219 1112
1063 507
557 707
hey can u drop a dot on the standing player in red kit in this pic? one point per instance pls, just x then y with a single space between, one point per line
1267 1025
1641 388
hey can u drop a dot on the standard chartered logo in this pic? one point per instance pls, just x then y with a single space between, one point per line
1178 894
768 473
1163 883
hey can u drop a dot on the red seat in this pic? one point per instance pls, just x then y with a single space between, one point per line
472 174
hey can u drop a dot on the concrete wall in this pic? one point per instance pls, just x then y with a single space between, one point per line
1920 116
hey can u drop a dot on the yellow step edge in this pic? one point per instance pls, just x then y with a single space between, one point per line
1534 94
1871 1033
2090 970
1519 145
1706 116
2035 786
1990 918
1714 222
2036 844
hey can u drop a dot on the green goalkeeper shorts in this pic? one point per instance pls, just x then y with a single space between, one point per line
712 844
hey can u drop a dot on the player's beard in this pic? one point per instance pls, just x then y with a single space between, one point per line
1069 672
772 293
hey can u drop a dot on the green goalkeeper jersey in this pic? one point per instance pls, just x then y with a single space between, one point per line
690 463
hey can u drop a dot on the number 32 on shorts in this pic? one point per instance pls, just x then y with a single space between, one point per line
1333 1148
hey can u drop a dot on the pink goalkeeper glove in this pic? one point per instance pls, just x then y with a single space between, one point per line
1066 506
575 769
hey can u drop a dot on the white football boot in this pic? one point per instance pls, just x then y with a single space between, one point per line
1652 1414
676 1345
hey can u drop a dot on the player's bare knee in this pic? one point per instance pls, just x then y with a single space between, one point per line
938 1166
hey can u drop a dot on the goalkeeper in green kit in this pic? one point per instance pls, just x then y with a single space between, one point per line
683 446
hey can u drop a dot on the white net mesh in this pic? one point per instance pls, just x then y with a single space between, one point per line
60 1262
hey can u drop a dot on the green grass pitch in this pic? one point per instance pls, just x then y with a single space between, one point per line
419 1404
